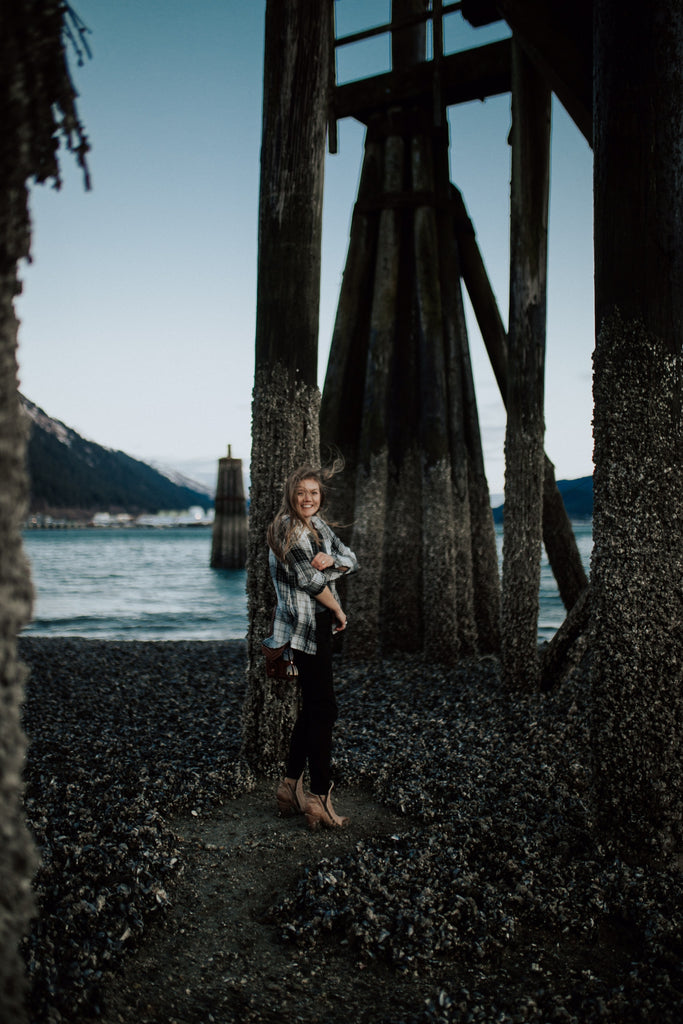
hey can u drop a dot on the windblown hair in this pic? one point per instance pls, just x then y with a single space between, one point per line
288 523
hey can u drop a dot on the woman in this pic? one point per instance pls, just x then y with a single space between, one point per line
305 559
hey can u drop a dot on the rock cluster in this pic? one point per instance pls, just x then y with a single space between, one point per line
496 890
122 737
502 874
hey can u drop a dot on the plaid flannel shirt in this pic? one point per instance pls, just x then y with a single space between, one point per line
296 583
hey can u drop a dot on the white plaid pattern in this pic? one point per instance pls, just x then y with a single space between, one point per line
296 583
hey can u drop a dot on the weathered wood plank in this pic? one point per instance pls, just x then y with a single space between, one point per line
557 36
341 407
558 535
286 398
295 90
470 75
441 520
637 560
373 451
229 533
524 457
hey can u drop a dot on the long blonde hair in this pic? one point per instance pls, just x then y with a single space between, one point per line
288 523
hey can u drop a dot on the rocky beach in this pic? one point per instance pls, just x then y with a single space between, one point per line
469 886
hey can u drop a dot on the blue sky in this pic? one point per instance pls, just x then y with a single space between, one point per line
138 310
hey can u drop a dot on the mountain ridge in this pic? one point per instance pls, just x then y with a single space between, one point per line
576 494
71 477
74 478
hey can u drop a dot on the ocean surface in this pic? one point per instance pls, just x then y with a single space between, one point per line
145 584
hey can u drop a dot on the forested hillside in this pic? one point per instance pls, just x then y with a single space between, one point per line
72 477
576 494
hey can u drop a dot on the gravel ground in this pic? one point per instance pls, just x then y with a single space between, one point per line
480 895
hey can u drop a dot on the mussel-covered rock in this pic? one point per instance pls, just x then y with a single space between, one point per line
494 892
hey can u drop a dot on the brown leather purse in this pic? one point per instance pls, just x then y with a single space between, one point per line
280 662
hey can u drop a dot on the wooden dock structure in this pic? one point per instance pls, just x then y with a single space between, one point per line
398 400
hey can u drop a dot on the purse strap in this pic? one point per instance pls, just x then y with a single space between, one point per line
273 653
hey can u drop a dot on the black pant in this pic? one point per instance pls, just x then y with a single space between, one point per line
312 734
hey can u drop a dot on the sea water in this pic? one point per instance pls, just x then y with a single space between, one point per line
133 584
551 609
156 584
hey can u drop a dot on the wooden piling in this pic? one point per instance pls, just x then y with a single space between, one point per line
342 400
407 419
373 455
18 859
286 398
558 535
404 405
402 623
408 43
229 537
440 519
524 456
477 577
637 560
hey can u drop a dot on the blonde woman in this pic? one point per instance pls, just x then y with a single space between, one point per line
306 557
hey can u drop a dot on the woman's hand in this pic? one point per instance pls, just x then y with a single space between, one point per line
322 561
340 616
328 600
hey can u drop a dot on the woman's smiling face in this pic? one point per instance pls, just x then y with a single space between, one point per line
308 498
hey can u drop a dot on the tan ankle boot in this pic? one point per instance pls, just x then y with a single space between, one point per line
290 796
319 811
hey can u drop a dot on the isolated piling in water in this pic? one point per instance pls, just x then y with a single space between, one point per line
229 538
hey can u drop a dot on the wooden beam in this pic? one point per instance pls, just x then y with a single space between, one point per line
557 37
481 293
476 554
637 560
440 524
469 75
524 462
405 21
408 33
286 398
558 535
480 12
557 657
295 117
341 409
